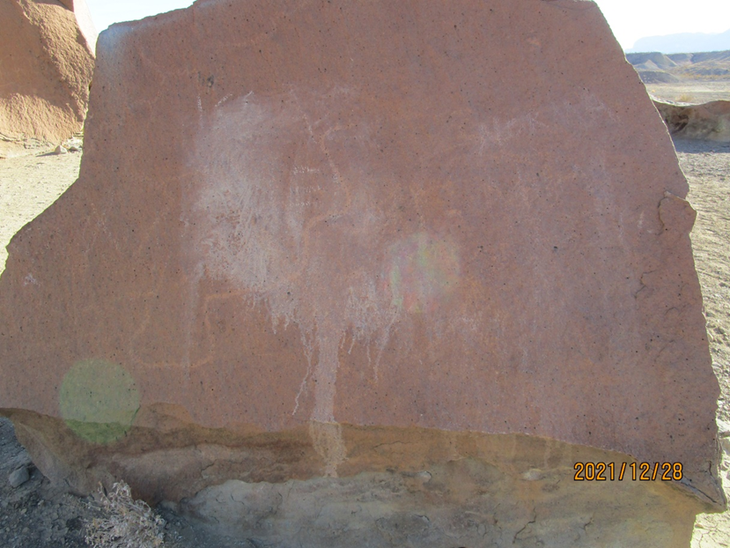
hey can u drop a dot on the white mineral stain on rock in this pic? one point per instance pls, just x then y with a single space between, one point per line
277 217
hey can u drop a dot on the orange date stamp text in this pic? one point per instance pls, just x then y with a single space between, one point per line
631 471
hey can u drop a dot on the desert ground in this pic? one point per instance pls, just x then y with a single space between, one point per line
692 92
37 515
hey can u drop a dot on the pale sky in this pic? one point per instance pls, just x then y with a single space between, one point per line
634 19
629 19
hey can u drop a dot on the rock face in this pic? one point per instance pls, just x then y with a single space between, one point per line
341 239
47 58
709 121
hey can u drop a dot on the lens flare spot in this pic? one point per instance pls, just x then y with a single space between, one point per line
424 271
98 400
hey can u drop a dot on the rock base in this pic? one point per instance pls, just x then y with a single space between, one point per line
392 487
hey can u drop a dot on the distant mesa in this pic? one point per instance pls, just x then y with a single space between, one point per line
653 76
687 41
655 67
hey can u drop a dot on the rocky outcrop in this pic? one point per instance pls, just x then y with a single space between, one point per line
370 241
709 121
47 58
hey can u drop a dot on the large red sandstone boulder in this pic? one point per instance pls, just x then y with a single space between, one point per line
425 240
47 58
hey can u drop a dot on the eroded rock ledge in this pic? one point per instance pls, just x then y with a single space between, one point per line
395 487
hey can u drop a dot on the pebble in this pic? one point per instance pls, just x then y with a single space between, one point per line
19 476
533 474
60 149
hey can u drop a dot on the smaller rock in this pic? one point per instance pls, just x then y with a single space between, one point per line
424 476
73 145
19 476
533 474
708 121
60 149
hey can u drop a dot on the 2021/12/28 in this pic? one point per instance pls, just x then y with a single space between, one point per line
602 471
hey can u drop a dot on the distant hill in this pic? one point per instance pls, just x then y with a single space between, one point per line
655 67
678 43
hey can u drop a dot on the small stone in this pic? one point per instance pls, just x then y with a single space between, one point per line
424 476
60 149
19 476
533 474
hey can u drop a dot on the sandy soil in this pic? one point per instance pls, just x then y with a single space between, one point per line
34 515
691 91
28 185
707 167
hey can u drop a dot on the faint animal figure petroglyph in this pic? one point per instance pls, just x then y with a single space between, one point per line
276 218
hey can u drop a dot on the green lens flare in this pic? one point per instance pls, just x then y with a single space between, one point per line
424 270
98 400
